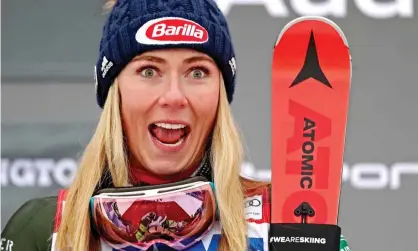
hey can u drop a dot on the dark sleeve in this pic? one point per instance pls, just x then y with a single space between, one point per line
31 226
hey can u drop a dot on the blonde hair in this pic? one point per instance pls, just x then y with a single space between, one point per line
109 5
107 149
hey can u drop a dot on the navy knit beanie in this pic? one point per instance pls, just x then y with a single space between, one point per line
136 26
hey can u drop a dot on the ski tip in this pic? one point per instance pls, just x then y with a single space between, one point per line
316 18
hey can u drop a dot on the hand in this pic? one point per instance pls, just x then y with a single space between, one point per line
158 221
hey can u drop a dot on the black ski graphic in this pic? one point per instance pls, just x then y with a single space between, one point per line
311 67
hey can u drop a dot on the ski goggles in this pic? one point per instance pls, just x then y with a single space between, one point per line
177 215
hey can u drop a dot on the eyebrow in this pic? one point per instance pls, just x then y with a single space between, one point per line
161 60
198 58
150 58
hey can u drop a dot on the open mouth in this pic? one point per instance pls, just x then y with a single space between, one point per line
169 134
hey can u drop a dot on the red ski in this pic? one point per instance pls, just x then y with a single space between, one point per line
311 78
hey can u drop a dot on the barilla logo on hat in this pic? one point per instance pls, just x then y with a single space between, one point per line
171 30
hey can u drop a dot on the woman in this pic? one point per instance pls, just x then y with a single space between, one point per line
164 78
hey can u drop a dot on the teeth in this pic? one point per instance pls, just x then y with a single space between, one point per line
170 126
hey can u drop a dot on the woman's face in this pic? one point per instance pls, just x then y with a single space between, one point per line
169 104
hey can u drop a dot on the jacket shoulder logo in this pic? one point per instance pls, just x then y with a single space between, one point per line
253 207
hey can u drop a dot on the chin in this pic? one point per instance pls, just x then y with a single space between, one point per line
165 168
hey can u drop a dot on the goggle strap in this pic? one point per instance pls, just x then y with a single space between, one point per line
93 225
216 201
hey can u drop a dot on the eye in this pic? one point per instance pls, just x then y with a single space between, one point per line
148 72
198 73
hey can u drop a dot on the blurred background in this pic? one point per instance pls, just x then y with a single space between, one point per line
49 111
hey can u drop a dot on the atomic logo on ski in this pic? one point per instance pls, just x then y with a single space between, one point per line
311 67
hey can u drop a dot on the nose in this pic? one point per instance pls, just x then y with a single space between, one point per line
173 95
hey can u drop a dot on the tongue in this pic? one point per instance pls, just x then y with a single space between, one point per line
168 136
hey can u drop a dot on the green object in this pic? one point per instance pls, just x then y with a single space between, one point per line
343 244
31 226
